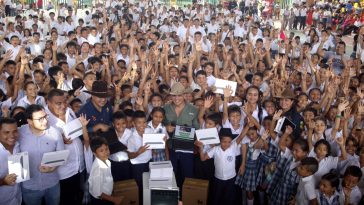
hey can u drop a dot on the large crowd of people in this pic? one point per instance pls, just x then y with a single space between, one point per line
289 116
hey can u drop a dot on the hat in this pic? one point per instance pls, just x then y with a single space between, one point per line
99 89
226 132
287 94
178 89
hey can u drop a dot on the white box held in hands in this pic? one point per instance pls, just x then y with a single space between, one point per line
161 170
208 136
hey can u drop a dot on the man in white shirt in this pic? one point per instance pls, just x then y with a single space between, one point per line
240 30
71 173
10 191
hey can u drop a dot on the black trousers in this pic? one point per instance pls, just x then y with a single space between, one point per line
137 171
71 192
223 191
121 170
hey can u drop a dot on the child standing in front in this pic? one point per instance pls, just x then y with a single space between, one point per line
248 178
100 181
224 159
139 155
284 182
155 126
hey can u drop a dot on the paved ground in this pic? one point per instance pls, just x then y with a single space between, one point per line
348 39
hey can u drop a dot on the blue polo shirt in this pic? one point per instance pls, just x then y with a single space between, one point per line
96 117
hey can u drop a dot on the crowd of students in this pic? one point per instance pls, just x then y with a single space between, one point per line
128 69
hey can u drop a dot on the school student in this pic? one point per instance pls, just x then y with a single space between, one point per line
100 180
139 155
306 194
155 126
327 194
285 179
117 137
224 160
10 191
349 190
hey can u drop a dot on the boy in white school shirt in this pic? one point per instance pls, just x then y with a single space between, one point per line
306 194
100 181
224 159
139 155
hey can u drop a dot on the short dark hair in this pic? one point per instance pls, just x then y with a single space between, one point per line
139 114
6 120
118 116
353 171
54 93
332 178
32 109
311 164
97 142
234 108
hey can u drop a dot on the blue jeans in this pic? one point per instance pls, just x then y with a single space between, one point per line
34 197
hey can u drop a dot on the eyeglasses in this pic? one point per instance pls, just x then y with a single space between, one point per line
42 119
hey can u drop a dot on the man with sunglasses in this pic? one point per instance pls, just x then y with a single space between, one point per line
37 138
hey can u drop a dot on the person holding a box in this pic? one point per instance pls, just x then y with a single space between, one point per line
224 158
38 138
139 155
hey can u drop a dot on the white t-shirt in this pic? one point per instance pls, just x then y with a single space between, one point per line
224 161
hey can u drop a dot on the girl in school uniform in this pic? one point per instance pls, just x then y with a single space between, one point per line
327 193
155 126
31 97
283 185
321 151
248 173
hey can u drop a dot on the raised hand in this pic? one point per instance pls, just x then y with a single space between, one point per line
208 102
277 115
84 120
343 106
227 91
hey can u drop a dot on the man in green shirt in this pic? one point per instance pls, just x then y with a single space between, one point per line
181 113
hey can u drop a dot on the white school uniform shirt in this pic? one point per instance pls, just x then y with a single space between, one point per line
355 195
329 199
224 161
227 124
134 143
305 191
256 114
121 156
24 102
160 129
212 28
100 180
8 46
9 195
325 165
76 159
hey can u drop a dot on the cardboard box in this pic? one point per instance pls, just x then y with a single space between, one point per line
195 191
129 190
161 170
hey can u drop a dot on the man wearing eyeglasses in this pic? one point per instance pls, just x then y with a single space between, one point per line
38 138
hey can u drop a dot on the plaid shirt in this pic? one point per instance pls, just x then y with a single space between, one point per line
284 182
